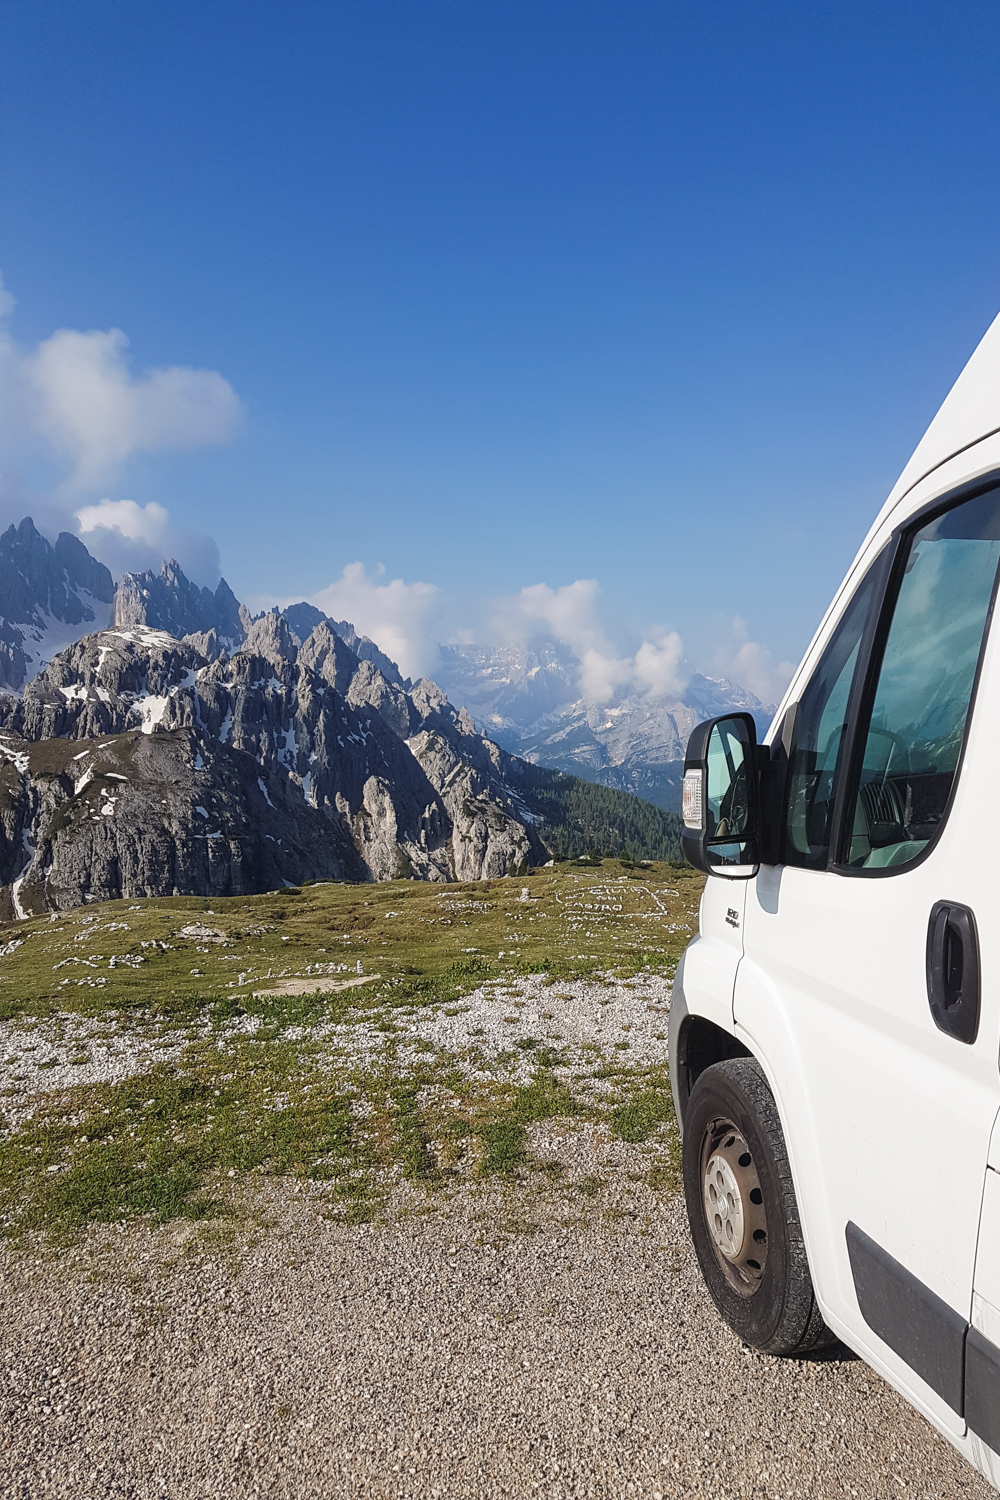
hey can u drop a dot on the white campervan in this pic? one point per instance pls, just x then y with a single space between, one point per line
835 1027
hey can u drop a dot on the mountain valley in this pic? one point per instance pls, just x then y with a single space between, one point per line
530 702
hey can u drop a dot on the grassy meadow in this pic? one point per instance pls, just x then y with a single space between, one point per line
157 1056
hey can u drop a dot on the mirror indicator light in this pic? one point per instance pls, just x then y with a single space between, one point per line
692 799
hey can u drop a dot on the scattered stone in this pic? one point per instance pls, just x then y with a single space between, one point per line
199 933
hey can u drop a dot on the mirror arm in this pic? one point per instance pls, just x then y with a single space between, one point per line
773 763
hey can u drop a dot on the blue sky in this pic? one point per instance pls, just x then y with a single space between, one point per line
504 294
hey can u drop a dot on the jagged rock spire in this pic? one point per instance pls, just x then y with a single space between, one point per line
169 601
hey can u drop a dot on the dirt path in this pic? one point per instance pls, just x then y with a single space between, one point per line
526 1341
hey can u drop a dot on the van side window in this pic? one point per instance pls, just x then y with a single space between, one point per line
913 731
818 734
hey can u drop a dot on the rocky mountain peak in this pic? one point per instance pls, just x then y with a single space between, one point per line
207 642
270 637
169 601
305 618
329 656
369 686
37 579
49 596
365 649
428 698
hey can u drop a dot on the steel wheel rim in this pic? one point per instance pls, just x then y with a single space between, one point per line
733 1205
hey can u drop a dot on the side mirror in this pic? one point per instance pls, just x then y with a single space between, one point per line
720 805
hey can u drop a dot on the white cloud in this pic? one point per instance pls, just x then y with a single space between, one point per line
570 616
72 412
659 665
602 676
397 616
140 523
91 411
656 670
752 665
129 538
402 619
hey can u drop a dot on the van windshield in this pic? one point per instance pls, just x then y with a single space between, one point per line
818 734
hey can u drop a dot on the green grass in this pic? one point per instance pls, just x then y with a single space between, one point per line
428 942
157 1143
182 1139
501 1131
644 1112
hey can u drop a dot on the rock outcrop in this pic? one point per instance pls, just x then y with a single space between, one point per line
330 657
169 601
139 814
304 618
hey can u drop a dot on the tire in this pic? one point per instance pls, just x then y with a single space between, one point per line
743 1215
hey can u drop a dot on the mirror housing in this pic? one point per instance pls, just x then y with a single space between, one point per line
720 802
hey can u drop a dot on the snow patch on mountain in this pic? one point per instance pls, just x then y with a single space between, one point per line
50 597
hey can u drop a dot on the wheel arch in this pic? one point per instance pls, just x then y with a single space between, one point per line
695 1043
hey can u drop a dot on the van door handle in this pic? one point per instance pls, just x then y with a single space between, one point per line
953 970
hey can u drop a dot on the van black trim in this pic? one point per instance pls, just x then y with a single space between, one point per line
914 1321
866 680
887 572
695 1044
982 1388
957 1361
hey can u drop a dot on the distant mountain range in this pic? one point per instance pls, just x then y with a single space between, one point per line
156 739
529 701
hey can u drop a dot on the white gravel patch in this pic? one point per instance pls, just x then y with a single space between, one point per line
47 1056
589 1023
617 1018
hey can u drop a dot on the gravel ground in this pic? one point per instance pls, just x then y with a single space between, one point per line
609 1016
540 1339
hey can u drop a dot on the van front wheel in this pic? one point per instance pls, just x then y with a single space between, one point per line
742 1211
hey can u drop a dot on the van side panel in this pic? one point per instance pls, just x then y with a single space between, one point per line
887 1119
711 960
